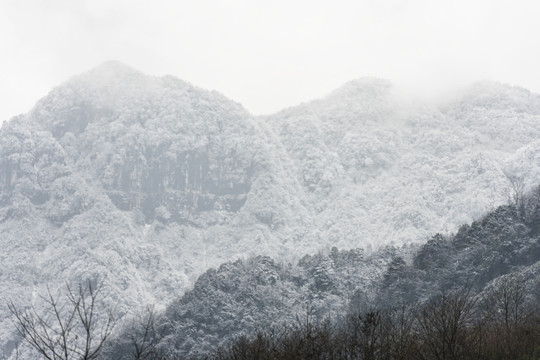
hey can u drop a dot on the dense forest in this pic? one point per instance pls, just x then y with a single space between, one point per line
503 323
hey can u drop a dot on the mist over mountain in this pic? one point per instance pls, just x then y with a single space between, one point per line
146 182
375 169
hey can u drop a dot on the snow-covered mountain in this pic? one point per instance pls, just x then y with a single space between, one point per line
148 181
377 169
143 181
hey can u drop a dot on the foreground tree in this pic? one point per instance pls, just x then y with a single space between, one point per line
443 324
138 338
74 327
515 193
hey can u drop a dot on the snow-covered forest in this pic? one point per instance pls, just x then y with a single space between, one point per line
142 184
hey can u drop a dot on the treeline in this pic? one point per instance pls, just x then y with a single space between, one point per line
501 323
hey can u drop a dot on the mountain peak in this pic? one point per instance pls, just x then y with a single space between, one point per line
113 68
112 73
496 95
362 87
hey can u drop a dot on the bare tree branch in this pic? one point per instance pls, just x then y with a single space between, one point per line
77 327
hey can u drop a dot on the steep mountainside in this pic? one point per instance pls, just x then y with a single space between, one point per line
149 181
142 181
376 169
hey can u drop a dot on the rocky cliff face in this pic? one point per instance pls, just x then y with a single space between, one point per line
162 147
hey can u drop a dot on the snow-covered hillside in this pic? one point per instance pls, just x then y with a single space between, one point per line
143 181
148 181
376 169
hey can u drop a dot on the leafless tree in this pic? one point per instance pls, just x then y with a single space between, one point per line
510 300
74 327
403 336
443 323
143 336
516 190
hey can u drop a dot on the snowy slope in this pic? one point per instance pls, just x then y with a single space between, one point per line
377 169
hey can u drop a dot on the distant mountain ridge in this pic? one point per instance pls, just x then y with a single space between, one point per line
357 158
148 181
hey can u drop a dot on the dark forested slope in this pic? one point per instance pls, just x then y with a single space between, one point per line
259 293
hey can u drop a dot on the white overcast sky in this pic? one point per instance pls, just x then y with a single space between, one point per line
269 54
